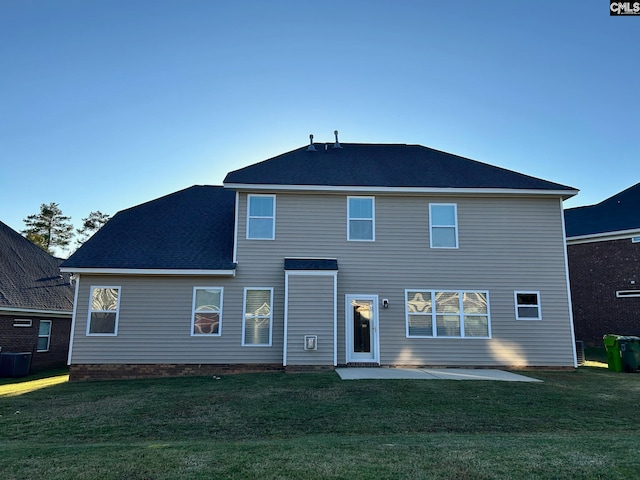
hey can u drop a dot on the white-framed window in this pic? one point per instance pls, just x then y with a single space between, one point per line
443 225
635 239
527 305
261 217
257 318
627 293
447 313
44 336
104 309
22 322
361 224
206 314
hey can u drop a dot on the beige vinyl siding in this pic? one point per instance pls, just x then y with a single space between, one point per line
310 312
506 243
154 324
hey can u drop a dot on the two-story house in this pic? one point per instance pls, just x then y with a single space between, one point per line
352 254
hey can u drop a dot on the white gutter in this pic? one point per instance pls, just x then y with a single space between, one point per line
350 188
604 236
32 311
148 271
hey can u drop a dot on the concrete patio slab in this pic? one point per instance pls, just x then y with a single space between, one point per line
431 374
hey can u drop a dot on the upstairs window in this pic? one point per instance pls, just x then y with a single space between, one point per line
103 311
44 335
261 217
206 317
528 306
360 219
443 225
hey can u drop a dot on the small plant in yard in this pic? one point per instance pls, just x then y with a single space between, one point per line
576 424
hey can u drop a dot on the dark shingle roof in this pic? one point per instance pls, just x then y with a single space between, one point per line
189 229
310 264
383 165
617 213
29 277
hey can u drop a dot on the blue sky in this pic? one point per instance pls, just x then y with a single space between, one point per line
108 104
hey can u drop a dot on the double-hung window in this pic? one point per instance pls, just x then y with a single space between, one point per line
44 335
447 313
361 219
104 310
257 319
261 217
206 315
443 225
528 306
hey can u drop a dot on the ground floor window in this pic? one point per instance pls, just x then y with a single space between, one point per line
104 308
447 313
257 319
528 306
44 336
206 316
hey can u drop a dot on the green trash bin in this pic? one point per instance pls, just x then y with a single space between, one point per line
629 353
614 355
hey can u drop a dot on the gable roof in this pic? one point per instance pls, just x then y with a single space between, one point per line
384 166
191 229
618 213
30 278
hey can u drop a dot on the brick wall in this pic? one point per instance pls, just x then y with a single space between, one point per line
132 371
25 339
597 270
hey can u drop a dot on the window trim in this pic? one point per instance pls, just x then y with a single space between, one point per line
244 317
48 337
635 239
271 217
372 219
90 311
538 304
434 313
22 322
454 226
193 312
627 293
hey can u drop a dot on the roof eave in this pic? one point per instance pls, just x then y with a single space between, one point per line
150 271
565 194
603 236
35 311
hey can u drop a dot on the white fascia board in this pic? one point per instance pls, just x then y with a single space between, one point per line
40 313
603 237
311 272
149 271
565 194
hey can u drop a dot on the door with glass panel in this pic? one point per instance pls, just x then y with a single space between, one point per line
362 328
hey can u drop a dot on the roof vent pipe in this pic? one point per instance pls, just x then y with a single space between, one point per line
311 148
337 144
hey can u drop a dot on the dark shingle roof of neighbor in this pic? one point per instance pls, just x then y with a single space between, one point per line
188 229
384 165
310 264
29 277
617 213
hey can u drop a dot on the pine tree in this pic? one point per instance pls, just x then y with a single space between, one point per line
49 228
91 225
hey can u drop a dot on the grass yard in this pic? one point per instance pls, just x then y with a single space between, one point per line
581 424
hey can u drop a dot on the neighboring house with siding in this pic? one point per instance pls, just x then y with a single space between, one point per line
36 302
603 243
352 254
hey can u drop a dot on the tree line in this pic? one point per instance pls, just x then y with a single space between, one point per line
49 228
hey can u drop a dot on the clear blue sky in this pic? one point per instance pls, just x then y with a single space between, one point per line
108 104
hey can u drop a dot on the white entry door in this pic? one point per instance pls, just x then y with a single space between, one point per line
361 318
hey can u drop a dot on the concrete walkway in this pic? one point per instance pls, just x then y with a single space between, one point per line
431 374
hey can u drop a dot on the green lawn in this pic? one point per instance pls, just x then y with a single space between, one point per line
577 424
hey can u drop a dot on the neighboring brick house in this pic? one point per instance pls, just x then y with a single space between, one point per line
36 302
603 244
